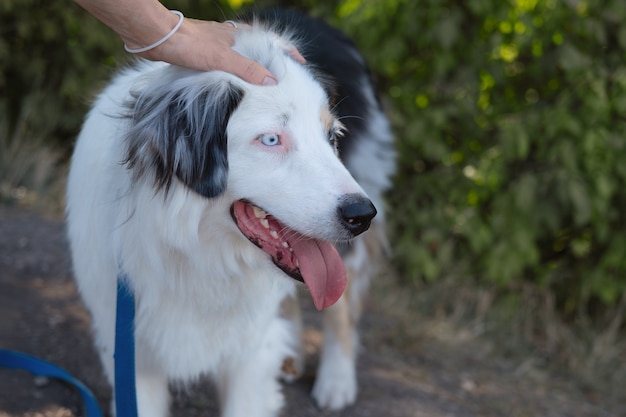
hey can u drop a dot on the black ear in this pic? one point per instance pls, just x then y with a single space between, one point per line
179 129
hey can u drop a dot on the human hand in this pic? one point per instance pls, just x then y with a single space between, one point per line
207 45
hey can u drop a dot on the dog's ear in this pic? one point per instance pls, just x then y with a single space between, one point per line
180 129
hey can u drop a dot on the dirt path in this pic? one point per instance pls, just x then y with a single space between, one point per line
40 314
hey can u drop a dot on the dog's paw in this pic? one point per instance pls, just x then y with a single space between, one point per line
292 369
336 386
274 403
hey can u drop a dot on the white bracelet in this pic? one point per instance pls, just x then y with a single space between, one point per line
160 41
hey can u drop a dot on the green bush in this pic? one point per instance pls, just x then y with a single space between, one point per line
511 123
510 117
56 51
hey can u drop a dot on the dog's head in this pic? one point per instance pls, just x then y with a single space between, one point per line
270 151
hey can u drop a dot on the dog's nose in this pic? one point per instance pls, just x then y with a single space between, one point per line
356 213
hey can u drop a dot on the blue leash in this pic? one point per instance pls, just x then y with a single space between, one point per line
17 360
125 394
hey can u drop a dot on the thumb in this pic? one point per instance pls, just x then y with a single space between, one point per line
249 70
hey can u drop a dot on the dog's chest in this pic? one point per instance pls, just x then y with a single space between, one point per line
207 319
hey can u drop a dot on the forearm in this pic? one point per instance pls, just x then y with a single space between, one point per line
139 22
196 44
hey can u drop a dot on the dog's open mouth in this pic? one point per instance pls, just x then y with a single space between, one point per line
312 261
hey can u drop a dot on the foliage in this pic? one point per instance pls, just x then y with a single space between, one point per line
29 171
511 119
56 51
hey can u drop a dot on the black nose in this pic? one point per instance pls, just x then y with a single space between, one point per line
356 213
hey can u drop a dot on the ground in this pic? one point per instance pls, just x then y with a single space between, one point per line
404 370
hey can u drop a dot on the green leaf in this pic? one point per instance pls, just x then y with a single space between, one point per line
572 59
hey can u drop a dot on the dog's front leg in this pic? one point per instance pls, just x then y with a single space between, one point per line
153 396
336 384
248 380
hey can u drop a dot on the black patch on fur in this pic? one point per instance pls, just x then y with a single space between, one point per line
335 62
182 132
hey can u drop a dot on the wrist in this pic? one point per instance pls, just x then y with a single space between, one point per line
145 24
138 50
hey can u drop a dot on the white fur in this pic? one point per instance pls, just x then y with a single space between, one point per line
207 300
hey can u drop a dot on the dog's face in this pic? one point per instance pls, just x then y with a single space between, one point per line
282 157
291 192
270 151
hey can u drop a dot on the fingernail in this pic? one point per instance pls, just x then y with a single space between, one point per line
269 81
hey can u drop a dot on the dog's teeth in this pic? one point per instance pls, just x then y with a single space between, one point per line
274 234
286 245
259 212
297 263
265 223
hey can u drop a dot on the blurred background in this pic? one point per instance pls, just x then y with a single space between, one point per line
508 212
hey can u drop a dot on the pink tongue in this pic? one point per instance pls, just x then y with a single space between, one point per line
322 270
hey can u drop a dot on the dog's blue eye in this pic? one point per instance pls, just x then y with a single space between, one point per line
270 139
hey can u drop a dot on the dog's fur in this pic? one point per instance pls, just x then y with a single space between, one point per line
162 159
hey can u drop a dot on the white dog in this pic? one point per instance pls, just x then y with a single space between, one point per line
215 197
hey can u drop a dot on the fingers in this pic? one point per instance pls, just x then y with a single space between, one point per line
288 46
292 51
207 45
247 69
295 54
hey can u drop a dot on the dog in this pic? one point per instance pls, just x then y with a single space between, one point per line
217 198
